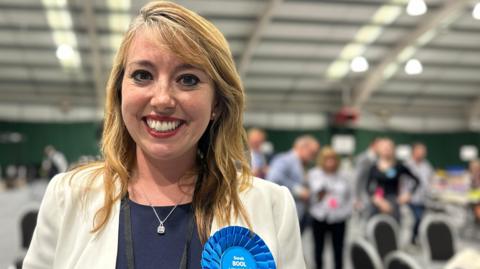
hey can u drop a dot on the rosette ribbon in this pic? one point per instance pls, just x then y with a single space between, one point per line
236 247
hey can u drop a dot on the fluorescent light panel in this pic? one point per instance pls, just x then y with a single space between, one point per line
60 21
367 34
118 20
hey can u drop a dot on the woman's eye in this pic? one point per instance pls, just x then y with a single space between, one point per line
188 80
141 76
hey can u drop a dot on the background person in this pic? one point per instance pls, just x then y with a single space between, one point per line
288 169
331 205
383 185
256 138
54 162
421 167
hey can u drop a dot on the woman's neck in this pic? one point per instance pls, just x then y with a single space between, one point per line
386 163
330 171
162 183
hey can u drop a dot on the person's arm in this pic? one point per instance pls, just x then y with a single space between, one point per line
405 197
346 205
371 181
316 185
405 171
41 253
290 253
362 171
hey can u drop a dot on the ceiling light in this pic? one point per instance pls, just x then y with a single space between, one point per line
118 21
337 69
359 64
406 54
390 70
413 67
60 21
65 52
476 11
387 14
416 7
367 34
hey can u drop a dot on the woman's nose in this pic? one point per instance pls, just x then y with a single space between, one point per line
163 97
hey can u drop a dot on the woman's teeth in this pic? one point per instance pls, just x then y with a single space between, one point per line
163 126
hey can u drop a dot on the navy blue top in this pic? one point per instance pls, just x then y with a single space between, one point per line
389 180
154 251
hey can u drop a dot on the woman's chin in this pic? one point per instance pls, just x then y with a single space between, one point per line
166 153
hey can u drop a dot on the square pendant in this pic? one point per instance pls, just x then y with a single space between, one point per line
161 229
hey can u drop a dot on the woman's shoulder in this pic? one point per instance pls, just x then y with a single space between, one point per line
315 171
80 178
262 190
263 185
344 175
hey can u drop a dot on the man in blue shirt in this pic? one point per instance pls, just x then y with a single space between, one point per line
258 162
287 169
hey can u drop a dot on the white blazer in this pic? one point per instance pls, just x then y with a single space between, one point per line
62 238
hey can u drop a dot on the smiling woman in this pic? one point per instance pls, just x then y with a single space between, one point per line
166 103
174 169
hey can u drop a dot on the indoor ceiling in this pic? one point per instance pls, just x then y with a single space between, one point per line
294 56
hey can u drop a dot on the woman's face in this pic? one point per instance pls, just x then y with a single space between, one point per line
330 164
386 149
166 103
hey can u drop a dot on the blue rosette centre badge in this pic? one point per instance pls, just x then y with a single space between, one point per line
236 247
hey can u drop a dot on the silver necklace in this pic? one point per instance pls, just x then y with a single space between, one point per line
161 227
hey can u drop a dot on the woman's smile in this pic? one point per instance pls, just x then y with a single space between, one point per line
163 127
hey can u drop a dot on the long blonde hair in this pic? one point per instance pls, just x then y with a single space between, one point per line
222 163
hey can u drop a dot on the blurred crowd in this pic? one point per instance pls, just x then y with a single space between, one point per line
327 193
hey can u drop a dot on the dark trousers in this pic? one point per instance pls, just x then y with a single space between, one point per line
337 233
417 211
305 221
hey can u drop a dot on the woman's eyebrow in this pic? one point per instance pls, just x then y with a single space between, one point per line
145 63
149 64
185 66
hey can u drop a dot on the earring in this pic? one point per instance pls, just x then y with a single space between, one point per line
213 116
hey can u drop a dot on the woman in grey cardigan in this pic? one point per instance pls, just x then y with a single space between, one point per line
331 204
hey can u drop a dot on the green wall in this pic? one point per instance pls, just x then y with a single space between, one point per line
73 139
76 139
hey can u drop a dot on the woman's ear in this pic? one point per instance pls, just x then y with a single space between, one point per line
215 110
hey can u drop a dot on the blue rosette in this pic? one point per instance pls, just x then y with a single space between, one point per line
236 247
